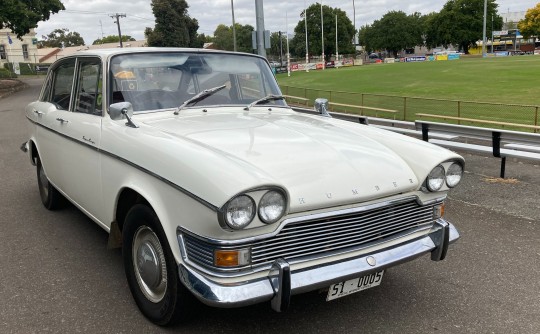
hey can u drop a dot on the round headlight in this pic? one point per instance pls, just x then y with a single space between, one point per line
240 212
436 178
271 207
453 175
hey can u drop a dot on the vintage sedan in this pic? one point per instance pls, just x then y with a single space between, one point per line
217 191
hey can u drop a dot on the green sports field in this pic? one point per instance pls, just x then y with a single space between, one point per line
509 80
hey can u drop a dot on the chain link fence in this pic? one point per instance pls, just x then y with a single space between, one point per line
485 114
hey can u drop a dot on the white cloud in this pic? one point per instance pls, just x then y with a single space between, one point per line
91 17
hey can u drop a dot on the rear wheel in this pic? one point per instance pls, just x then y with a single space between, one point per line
50 197
151 270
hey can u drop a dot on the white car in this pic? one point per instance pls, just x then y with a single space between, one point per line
216 189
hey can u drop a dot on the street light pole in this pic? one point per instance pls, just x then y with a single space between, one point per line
322 38
491 33
354 22
260 27
233 26
305 26
484 32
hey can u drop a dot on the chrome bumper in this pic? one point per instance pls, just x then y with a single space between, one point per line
281 282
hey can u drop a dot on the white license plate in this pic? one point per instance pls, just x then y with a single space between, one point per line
354 285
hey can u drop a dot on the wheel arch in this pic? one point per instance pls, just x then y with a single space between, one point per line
127 198
34 153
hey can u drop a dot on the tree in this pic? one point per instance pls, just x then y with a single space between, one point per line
460 23
21 16
174 27
530 25
201 39
345 32
394 32
113 39
61 38
277 47
223 37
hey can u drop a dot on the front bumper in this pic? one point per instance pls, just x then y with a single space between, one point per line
281 282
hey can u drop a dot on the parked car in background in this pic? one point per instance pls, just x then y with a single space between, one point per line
217 191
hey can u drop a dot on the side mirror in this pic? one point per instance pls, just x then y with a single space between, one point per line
117 110
321 106
122 110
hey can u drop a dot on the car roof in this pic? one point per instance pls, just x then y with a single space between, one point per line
106 53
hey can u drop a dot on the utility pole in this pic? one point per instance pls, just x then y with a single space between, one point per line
102 35
118 16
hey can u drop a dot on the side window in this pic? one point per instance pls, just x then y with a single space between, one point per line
25 51
88 95
62 84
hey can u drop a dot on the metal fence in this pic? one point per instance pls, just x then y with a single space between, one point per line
495 115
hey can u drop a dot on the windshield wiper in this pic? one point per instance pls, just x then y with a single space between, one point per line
267 98
199 97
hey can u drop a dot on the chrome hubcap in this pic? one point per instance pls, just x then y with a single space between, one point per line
149 264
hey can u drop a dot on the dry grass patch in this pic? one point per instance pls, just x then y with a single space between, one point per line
499 180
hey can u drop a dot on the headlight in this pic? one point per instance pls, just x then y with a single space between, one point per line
436 178
453 175
271 207
240 212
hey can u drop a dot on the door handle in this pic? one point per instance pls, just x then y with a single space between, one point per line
37 112
61 120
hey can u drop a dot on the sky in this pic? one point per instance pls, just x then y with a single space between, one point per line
91 18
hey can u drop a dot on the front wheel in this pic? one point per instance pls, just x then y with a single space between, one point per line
151 270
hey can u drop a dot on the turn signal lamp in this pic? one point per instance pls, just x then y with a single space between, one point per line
438 211
227 258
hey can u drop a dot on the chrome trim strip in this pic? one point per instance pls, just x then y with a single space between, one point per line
142 169
243 293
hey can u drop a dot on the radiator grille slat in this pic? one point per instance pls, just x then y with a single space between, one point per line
321 236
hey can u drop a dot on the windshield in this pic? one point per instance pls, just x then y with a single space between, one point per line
151 81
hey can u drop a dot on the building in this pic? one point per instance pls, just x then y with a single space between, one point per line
18 51
49 55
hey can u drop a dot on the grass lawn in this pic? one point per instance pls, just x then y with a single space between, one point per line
508 80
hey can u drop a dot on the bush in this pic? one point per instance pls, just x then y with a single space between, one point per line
5 73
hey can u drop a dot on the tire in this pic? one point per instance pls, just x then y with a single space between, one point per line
50 197
151 270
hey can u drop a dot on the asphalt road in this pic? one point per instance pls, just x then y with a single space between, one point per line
57 275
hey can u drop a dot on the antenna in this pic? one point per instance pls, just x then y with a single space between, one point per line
118 16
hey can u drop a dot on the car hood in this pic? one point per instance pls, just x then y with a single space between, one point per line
320 162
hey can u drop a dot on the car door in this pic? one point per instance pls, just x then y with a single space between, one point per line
69 134
54 105
81 126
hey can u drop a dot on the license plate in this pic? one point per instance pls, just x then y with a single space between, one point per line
342 289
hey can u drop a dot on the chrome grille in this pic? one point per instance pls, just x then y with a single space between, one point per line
324 236
342 233
198 251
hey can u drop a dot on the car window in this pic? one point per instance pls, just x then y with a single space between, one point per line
88 95
62 84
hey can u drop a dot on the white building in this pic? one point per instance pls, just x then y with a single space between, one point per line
19 51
